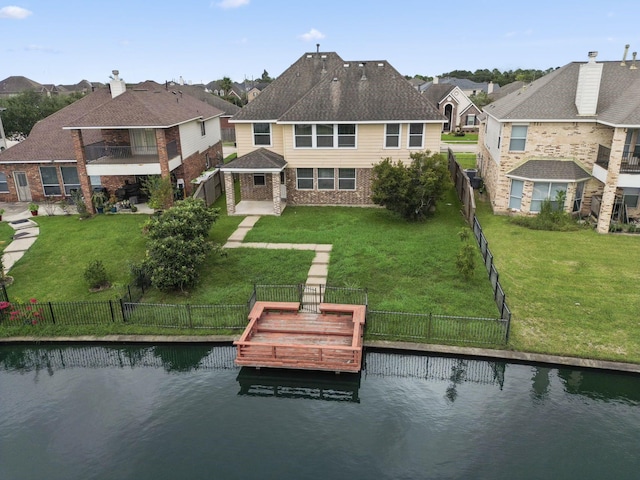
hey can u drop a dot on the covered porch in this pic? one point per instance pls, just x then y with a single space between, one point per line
262 178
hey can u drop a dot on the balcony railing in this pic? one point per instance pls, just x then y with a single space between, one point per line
630 163
127 154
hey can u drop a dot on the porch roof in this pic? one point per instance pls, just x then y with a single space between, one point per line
260 160
550 170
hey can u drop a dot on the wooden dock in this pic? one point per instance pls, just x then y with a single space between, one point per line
280 336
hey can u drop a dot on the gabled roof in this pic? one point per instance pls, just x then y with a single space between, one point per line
553 97
260 160
436 92
552 170
199 92
321 87
146 105
18 84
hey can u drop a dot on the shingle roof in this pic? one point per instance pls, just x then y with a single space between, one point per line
552 97
201 94
550 170
259 159
18 84
321 87
437 92
146 105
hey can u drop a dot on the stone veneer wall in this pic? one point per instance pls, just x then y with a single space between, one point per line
577 141
360 196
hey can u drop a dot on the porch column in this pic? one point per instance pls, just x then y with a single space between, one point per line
229 193
275 184
163 156
81 165
611 185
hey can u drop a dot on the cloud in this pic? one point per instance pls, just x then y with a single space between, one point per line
311 35
15 13
226 4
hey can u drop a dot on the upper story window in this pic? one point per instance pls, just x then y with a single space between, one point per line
203 130
416 135
325 136
392 135
518 138
143 141
261 134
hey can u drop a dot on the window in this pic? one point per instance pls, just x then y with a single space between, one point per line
261 134
346 136
392 135
324 136
577 201
515 196
203 129
471 119
4 185
207 161
518 138
326 179
304 178
70 179
50 182
96 181
346 179
144 141
543 191
303 136
630 196
415 135
259 180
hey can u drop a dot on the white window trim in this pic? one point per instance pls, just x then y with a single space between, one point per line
355 180
511 138
253 134
264 177
305 178
50 184
314 137
6 181
384 139
410 135
333 179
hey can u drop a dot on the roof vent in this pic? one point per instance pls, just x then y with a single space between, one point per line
381 64
633 62
623 63
346 65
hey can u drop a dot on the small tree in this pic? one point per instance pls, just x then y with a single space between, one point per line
177 244
96 275
465 261
413 190
160 191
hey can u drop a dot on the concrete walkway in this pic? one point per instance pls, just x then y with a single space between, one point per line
319 266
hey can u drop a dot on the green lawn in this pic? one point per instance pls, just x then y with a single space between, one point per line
571 293
466 160
467 138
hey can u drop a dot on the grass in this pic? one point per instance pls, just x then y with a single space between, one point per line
571 293
466 160
467 138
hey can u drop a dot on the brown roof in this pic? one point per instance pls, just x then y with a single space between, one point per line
18 84
260 159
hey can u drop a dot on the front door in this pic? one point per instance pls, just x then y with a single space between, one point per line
22 186
283 185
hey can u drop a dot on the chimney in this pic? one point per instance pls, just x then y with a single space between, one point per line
435 80
588 87
117 85
490 88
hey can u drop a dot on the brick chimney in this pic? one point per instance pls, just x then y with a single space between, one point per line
117 85
588 88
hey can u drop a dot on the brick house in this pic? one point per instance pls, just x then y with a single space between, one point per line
314 134
112 137
455 105
575 130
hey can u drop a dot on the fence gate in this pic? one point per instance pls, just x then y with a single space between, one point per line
210 188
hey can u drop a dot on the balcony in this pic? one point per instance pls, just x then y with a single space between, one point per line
630 162
101 154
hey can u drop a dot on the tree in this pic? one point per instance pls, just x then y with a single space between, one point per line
413 190
27 108
177 244
226 85
265 77
480 99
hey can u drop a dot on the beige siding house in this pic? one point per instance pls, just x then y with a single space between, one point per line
313 135
575 130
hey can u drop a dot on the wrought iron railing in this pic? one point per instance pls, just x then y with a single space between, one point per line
100 150
630 163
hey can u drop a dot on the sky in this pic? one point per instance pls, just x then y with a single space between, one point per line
66 41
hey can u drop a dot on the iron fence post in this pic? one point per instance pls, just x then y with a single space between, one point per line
124 316
113 317
53 318
189 316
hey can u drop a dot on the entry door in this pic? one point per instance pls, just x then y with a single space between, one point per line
22 186
283 185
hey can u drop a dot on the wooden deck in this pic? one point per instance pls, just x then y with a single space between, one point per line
280 336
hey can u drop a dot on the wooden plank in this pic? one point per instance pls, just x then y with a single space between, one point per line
285 306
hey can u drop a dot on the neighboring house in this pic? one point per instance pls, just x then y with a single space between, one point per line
16 85
255 90
112 137
505 90
314 134
216 89
575 130
454 104
469 87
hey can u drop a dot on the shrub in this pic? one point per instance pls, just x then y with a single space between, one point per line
550 218
81 206
96 275
160 192
465 260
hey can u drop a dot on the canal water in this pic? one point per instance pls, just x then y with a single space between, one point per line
167 412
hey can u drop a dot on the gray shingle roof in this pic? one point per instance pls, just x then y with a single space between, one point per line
259 159
18 84
321 87
146 105
550 170
201 94
437 92
552 97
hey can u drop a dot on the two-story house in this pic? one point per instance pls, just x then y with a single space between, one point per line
314 134
575 130
111 137
455 105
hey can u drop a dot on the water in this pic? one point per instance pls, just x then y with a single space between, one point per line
171 412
